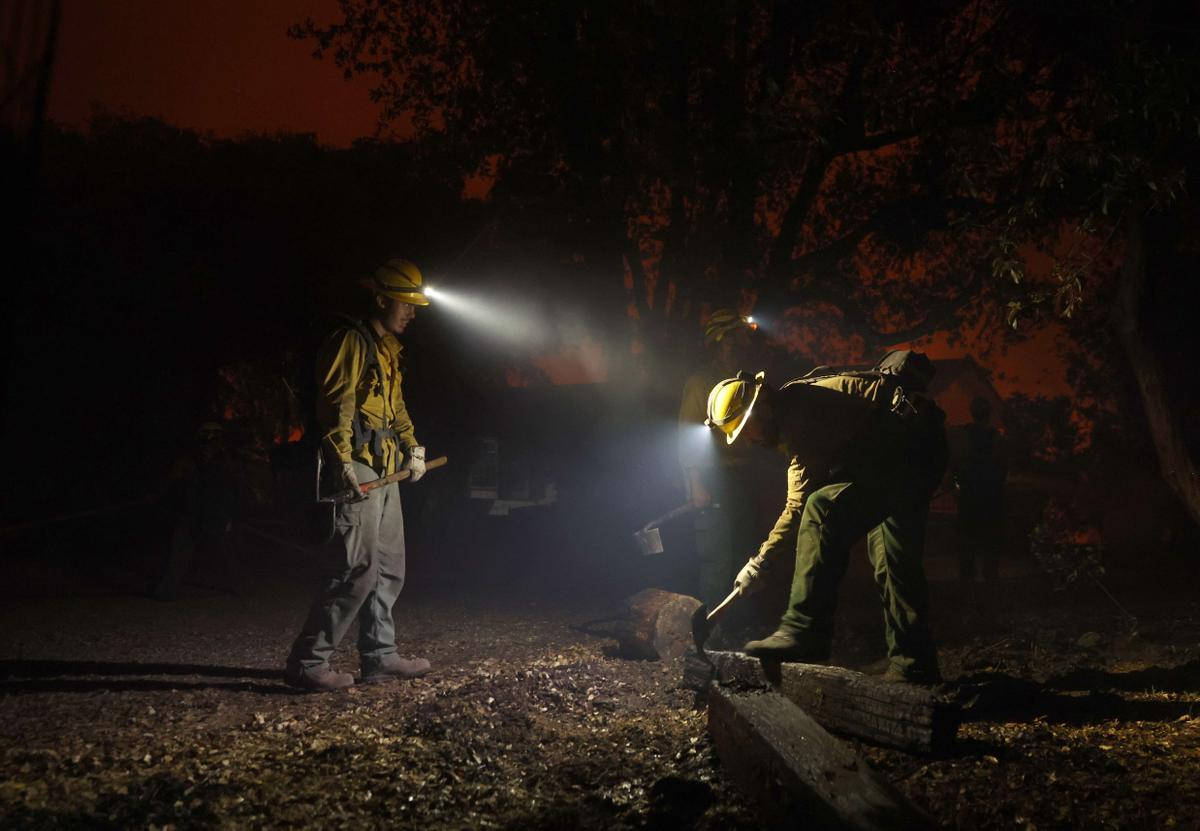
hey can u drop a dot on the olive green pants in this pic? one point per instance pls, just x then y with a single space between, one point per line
364 573
893 517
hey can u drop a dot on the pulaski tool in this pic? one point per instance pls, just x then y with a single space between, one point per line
366 487
649 539
704 621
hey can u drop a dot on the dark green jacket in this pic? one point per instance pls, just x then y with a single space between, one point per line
830 429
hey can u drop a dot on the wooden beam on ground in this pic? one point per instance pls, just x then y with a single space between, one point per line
796 774
905 716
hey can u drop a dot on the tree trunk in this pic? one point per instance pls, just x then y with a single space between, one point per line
1174 459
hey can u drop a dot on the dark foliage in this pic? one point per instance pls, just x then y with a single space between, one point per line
170 276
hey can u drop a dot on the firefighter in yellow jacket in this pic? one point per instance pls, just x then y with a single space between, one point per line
366 433
720 478
865 459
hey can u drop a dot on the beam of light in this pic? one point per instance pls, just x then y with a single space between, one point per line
696 442
762 324
516 322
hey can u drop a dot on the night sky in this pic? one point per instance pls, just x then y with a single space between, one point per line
210 65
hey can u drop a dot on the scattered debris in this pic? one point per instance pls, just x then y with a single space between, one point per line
128 713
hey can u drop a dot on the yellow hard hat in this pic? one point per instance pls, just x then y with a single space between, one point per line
731 402
721 323
400 279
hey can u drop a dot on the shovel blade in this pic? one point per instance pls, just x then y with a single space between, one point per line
649 541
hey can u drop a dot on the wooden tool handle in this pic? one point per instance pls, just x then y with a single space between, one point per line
401 475
715 613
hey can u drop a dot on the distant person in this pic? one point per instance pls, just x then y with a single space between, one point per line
365 434
204 493
719 478
866 453
979 468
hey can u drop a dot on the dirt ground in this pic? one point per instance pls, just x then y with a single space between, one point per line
118 711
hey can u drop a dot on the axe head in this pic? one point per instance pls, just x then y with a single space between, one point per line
704 621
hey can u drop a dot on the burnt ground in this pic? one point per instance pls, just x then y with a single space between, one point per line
119 711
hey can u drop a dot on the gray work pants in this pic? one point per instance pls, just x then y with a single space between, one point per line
365 573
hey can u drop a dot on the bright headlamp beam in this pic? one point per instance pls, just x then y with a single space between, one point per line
507 321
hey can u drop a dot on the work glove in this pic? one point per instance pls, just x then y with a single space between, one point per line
415 462
348 482
750 578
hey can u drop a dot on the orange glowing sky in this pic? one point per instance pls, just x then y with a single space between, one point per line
220 66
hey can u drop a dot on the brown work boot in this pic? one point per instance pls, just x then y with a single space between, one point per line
782 645
319 678
391 668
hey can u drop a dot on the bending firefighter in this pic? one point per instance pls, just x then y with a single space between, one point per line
866 452
719 477
366 433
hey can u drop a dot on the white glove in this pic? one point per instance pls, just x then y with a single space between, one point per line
415 462
749 578
349 482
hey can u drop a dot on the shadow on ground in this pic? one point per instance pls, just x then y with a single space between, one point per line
25 677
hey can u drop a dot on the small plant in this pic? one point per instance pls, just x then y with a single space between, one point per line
1068 563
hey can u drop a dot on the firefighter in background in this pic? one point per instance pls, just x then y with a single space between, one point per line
366 433
719 478
204 491
865 459
979 466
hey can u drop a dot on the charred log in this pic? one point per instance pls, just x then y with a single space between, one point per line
904 716
796 773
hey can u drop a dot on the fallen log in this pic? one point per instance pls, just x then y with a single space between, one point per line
654 624
796 774
905 716
661 624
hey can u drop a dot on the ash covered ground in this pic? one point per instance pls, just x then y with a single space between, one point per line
119 711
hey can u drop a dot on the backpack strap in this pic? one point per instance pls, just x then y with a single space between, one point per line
907 373
900 402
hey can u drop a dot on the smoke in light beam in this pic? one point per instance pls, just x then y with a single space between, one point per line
514 322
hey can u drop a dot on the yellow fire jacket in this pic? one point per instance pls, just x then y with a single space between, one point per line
347 392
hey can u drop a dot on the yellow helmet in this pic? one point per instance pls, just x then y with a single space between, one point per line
721 323
400 279
731 402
